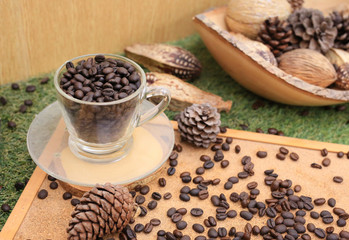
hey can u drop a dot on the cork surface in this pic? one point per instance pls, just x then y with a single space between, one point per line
48 219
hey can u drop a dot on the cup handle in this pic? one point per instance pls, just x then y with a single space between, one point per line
160 107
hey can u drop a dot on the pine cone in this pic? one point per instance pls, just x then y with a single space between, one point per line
296 4
343 77
313 30
105 209
199 124
341 22
277 35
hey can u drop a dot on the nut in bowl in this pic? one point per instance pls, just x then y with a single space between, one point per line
100 97
257 74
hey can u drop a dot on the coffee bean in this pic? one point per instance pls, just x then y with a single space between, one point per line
3 101
198 228
222 232
144 211
11 124
297 188
320 233
224 163
74 202
15 86
155 222
344 234
319 201
184 197
205 158
315 165
246 215
273 131
314 215
338 179
340 154
144 190
196 212
176 217
67 195
283 150
53 185
262 154
299 228
228 185
30 88
5 207
152 204
281 228
42 194
280 156
294 156
212 233
326 162
23 108
242 175
138 227
311 227
162 182
44 80
331 202
203 194
341 222
216 181
148 228
181 225
252 185
219 156
208 165
225 147
140 199
200 171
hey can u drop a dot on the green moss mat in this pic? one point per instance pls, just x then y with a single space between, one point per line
320 124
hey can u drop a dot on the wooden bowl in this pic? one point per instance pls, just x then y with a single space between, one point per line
259 75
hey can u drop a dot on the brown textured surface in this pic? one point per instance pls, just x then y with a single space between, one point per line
48 219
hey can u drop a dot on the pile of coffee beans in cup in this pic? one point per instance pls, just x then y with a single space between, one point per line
100 79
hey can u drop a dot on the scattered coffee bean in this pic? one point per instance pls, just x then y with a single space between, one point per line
162 182
246 215
67 195
229 140
331 202
42 194
294 156
28 102
340 154
49 177
297 188
326 162
205 158
144 190
280 156
148 228
228 185
139 228
155 222
144 211
181 225
314 215
23 108
262 154
54 185
216 181
224 163
44 80
196 212
15 86
30 88
319 201
242 175
3 101
203 194
74 202
212 233
11 124
208 165
140 199
198 228
341 222
320 233
200 171
19 186
338 179
315 165
324 152
237 149
5 207
184 197
152 204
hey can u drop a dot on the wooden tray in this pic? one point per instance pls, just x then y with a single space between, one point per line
37 219
254 73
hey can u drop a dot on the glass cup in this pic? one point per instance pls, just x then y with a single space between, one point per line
102 131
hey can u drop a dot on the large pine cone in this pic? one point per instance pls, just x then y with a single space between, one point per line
341 22
277 35
313 30
343 77
105 209
296 4
199 124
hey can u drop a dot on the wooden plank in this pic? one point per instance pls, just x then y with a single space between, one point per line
24 202
38 36
25 218
281 140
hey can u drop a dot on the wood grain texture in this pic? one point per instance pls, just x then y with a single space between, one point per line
38 36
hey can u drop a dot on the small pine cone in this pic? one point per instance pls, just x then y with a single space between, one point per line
343 77
296 4
105 209
341 22
313 30
278 36
199 124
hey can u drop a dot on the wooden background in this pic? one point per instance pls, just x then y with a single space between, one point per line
37 36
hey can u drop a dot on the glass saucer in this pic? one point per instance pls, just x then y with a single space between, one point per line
47 142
